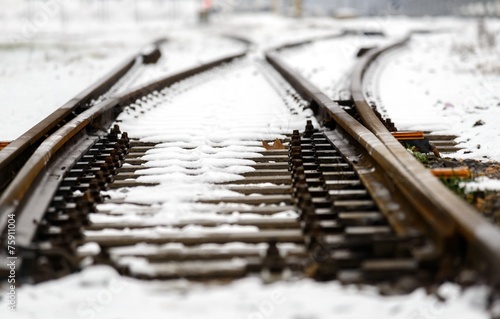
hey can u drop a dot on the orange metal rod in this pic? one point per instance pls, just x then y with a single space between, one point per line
404 136
461 172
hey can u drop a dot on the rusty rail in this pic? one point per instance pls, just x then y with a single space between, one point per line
446 219
86 125
480 235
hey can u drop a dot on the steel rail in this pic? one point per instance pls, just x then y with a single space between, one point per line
13 156
97 117
243 40
449 219
326 109
294 44
290 45
480 234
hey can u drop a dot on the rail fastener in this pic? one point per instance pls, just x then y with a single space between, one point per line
417 140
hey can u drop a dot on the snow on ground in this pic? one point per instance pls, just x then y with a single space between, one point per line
50 59
328 63
271 31
186 49
102 293
67 45
448 83
482 183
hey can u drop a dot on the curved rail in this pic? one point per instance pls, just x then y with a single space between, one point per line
481 236
449 221
13 156
98 117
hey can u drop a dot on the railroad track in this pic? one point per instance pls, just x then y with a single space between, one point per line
453 221
15 154
223 171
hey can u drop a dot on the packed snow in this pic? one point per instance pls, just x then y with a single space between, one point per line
47 63
235 100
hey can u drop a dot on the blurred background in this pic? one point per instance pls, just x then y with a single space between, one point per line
140 10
